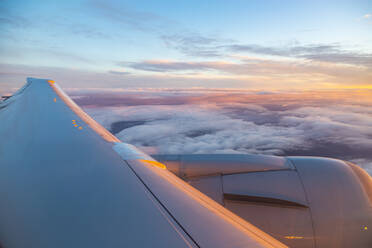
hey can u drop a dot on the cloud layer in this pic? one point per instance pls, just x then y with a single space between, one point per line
333 124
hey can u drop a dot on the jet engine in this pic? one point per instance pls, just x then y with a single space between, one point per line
305 202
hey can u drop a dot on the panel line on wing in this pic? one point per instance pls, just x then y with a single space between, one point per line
163 206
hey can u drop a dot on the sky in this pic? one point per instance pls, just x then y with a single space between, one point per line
268 77
257 45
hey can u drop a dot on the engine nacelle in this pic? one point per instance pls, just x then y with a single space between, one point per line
301 201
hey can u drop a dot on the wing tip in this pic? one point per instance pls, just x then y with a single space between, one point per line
39 80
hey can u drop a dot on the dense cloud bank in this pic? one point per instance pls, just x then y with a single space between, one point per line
333 124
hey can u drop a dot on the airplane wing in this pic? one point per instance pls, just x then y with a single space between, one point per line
65 181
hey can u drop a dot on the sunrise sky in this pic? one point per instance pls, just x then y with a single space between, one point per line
266 77
259 45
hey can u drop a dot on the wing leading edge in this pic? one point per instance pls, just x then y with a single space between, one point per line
67 181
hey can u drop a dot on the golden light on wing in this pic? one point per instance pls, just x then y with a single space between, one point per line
154 163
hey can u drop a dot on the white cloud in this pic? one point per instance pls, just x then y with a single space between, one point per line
196 129
367 16
278 124
333 123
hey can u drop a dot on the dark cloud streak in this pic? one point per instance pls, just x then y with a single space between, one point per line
193 44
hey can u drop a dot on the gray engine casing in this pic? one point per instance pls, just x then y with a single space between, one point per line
302 201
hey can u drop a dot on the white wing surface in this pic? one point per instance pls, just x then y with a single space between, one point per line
65 181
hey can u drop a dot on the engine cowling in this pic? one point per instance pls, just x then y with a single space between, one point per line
302 201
